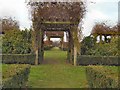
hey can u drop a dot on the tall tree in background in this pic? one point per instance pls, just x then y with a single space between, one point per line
9 24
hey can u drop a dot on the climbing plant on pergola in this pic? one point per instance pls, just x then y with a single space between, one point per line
57 16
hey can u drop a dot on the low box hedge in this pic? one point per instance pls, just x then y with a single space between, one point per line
18 58
98 60
100 77
15 76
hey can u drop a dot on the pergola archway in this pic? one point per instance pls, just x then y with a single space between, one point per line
57 16
55 34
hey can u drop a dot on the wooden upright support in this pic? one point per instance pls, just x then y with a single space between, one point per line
37 43
40 45
106 40
68 52
48 39
71 51
95 38
75 55
62 43
70 48
100 38
36 57
75 43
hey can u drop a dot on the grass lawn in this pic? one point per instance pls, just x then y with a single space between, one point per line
57 76
55 73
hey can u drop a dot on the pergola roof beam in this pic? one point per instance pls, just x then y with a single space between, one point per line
68 23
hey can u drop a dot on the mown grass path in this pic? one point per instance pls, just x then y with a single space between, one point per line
56 73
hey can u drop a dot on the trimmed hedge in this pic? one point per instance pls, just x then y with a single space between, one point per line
18 58
96 60
101 77
15 76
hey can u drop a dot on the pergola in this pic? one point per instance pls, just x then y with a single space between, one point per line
56 17
100 30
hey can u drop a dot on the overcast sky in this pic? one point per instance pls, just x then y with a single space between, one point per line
98 11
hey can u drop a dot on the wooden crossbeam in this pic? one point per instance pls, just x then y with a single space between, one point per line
55 36
56 29
65 23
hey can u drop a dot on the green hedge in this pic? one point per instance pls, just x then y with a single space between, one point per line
15 76
95 60
100 77
18 58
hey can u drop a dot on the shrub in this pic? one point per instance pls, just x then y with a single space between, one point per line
105 49
98 60
18 58
86 44
101 77
15 76
16 41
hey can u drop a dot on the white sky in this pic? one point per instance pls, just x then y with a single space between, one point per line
100 10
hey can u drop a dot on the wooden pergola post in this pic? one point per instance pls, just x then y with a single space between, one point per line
36 57
40 45
106 40
71 53
75 44
95 37
75 55
68 52
62 43
39 52
48 39
71 49
100 38
37 44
